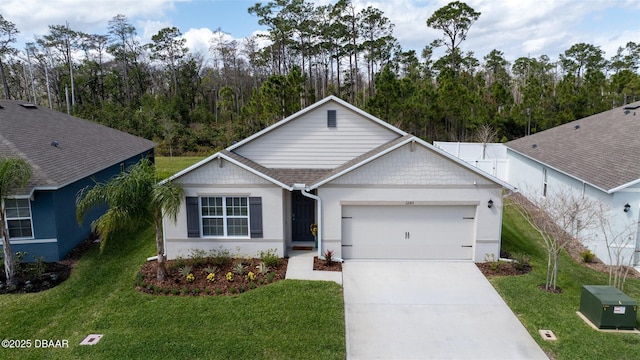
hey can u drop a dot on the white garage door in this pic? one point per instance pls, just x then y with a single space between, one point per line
408 232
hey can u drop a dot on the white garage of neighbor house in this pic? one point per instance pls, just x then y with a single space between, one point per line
375 192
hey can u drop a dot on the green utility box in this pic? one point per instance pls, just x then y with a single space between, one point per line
608 307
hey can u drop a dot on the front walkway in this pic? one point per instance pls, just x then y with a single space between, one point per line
300 267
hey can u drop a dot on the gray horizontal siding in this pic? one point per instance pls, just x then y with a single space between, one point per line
307 142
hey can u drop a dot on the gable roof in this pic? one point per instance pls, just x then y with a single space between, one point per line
602 150
314 178
330 98
61 148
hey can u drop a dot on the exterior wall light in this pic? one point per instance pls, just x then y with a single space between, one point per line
490 204
627 207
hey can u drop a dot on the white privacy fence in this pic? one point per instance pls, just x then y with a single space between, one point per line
490 158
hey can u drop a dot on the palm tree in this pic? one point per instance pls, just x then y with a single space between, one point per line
14 175
133 196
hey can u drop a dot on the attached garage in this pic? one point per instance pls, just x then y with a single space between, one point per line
408 231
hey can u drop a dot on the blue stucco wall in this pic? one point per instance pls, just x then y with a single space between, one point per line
53 213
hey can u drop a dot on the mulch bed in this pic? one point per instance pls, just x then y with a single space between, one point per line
502 268
324 266
53 275
177 285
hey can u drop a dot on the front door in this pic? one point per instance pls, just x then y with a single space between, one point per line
302 216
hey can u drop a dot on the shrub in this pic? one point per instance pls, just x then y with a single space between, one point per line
251 276
218 291
232 290
252 285
270 258
263 269
521 261
211 269
185 271
211 277
198 257
220 257
35 270
328 256
238 269
229 276
270 277
175 291
190 277
139 278
588 256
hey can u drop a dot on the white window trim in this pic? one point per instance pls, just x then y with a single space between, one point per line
7 219
224 217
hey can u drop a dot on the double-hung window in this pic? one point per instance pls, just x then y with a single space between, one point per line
18 216
224 216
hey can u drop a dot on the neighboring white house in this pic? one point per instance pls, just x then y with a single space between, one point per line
597 156
375 192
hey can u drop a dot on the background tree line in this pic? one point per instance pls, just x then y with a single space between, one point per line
196 103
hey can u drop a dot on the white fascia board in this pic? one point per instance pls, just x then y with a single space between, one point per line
558 170
624 186
310 108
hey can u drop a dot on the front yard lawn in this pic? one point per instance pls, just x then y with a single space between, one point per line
538 309
285 320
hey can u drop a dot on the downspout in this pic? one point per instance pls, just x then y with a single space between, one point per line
305 192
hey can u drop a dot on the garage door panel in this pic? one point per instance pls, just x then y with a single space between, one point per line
408 232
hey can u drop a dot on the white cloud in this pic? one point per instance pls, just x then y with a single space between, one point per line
32 17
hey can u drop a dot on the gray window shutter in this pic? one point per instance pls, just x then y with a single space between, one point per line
331 118
255 214
193 217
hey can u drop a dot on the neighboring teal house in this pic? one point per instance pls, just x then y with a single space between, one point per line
66 153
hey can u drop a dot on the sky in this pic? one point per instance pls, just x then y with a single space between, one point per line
518 28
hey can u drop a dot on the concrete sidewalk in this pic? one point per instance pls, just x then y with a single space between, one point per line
300 267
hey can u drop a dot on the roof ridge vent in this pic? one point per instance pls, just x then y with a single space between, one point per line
632 107
28 106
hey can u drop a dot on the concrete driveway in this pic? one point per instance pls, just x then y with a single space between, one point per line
429 310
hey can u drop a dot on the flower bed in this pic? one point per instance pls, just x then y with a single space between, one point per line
210 276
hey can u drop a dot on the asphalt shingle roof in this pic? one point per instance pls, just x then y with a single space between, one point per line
602 149
81 149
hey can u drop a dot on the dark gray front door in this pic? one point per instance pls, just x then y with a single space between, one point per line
302 216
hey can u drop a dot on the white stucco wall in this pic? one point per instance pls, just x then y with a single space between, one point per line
527 176
229 180
419 177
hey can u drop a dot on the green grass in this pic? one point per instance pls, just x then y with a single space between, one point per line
285 320
538 309
167 166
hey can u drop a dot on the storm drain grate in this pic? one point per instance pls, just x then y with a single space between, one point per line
91 339
548 335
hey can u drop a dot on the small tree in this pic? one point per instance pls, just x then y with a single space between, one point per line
133 196
485 135
617 240
14 175
559 218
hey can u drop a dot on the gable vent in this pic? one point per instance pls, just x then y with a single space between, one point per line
331 119
28 106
